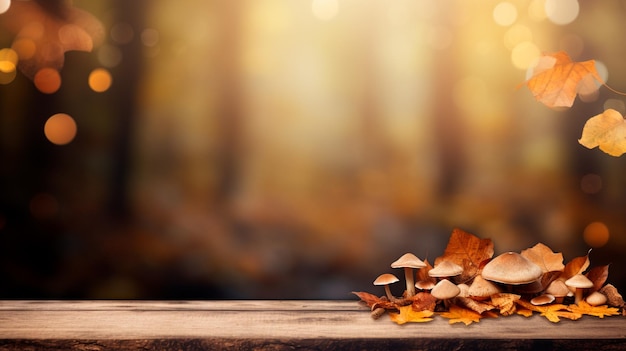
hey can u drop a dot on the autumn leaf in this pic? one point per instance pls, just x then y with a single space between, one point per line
598 276
544 257
468 251
556 80
606 131
575 266
505 302
423 301
458 314
408 314
476 306
598 311
551 312
370 299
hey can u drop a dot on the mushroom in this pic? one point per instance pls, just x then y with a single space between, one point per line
542 299
558 289
481 289
425 284
445 290
512 268
445 269
408 261
579 282
596 299
386 279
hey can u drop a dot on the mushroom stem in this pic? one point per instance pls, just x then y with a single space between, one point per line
578 295
410 283
388 292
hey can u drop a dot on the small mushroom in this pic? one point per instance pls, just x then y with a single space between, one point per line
511 268
482 289
445 269
596 299
445 290
385 280
408 261
542 299
558 289
425 284
579 282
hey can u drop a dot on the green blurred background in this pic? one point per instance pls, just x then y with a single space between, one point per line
293 148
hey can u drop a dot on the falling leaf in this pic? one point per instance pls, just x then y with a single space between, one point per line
408 314
575 266
458 314
544 257
598 276
598 311
606 131
551 312
468 251
505 302
556 80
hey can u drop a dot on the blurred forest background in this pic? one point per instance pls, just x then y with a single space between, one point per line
292 148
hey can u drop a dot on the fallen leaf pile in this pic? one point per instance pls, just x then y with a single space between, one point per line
467 283
556 81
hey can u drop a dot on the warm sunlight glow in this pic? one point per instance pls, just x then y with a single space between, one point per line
325 9
8 60
60 129
562 12
505 14
596 234
47 80
4 6
524 55
517 34
100 80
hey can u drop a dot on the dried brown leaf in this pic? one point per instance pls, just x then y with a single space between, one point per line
598 275
468 251
544 257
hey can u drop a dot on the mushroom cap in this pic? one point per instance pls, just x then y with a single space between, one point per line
445 289
579 281
425 284
596 299
445 269
511 268
542 299
482 288
408 260
557 288
385 279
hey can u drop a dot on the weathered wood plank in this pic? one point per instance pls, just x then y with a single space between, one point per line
197 325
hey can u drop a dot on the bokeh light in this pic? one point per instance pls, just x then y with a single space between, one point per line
505 14
100 80
150 37
60 129
524 55
517 34
591 183
8 60
24 47
109 55
4 6
47 80
596 234
562 12
7 77
325 9
537 10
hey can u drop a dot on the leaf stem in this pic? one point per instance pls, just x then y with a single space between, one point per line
613 90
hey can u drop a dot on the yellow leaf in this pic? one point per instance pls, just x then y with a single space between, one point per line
606 131
505 302
544 257
598 311
556 79
408 314
458 314
524 312
551 312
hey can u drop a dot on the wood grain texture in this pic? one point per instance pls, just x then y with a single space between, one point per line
278 325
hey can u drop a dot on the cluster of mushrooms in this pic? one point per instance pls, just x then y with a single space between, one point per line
509 272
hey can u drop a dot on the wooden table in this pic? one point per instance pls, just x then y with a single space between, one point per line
279 325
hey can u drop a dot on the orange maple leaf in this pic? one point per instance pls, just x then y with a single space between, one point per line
575 266
556 79
599 311
458 314
468 251
408 314
544 257
552 312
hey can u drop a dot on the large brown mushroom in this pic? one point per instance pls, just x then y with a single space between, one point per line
408 262
511 268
